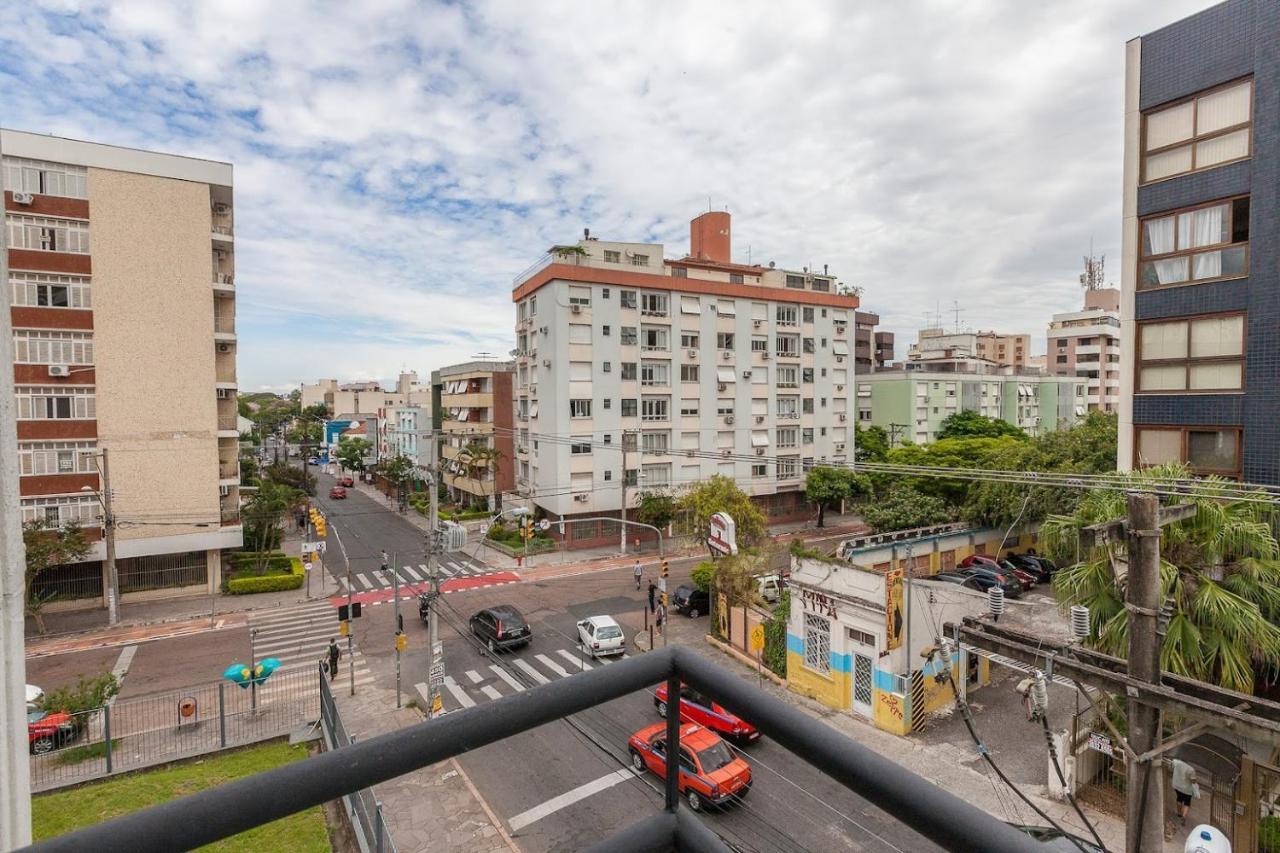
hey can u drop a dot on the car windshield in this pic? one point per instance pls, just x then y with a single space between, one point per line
36 716
715 756
608 632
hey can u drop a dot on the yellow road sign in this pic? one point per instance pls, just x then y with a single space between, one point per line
757 638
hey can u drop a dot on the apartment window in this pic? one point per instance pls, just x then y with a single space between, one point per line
787 407
48 235
688 340
30 347
690 305
788 467
639 260
759 469
628 336
655 408
689 409
45 404
796 282
807 315
822 284
654 338
579 408
1203 354
726 308
657 476
679 272
607 367
79 509
787 315
604 330
628 370
1197 244
759 375
787 346
579 333
50 291
786 437
806 376
630 408
579 371
655 373
688 373
864 414
735 278
34 176
724 340
580 446
806 435
759 344
56 457
655 442
724 408
612 256
1062 359
786 377
608 404
580 296
1205 450
808 405
654 304
626 298
1201 132
808 345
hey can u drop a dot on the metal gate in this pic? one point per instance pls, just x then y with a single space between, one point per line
862 685
1266 787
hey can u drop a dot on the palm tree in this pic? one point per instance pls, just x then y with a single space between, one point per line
481 459
1220 573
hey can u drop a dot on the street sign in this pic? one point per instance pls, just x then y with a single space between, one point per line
311 547
1101 743
437 675
307 566
757 638
438 649
545 524
723 534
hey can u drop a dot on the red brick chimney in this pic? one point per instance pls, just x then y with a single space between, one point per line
709 237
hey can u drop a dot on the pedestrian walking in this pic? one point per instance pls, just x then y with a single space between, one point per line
1185 787
637 572
386 562
660 615
653 592
334 654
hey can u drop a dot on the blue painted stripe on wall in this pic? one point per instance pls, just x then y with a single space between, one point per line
841 663
885 681
795 645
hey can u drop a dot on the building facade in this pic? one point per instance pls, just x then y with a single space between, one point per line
872 350
910 405
1008 350
1086 343
365 397
122 274
1200 296
477 430
636 373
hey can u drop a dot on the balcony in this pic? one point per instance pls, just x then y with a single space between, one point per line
230 517
229 470
224 282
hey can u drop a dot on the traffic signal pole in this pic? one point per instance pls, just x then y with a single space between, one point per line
433 538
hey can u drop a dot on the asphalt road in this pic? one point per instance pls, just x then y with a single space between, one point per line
790 807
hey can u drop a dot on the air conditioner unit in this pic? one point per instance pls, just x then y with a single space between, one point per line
23 198
221 209
728 419
224 347
759 419
693 353
839 448
726 355
746 374
225 393
576 309
839 387
839 359
720 387
59 370
582 498
224 491
759 451
843 416
757 323
543 330
765 355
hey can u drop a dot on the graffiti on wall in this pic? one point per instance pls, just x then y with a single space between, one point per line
893 621
818 602
892 703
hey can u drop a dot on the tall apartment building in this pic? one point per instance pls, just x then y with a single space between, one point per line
474 410
628 365
1009 350
872 350
1200 280
122 274
1087 344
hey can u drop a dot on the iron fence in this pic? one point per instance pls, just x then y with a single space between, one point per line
130 734
163 571
362 805
68 582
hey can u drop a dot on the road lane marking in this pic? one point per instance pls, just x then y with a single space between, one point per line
552 665
506 676
122 667
490 691
474 676
364 581
458 693
574 660
531 672
342 582
442 567
568 798
411 573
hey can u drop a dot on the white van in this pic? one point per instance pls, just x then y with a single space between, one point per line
769 587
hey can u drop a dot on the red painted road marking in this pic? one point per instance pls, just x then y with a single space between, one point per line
451 585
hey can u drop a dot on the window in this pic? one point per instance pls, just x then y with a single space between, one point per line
48 235
807 315
787 346
808 406
653 304
806 376
724 408
655 442
639 260
688 373
626 298
759 344
629 408
690 305
654 338
579 333
822 284
796 282
50 291
655 373
759 469
1205 131
759 376
579 408
579 371
607 367
786 437
580 296
688 340
1206 451
724 340
786 377
608 475
808 345
735 278
759 311
806 434
628 336
83 510
788 467
655 408
56 457
604 293
689 409
1204 354
1062 359
62 403
612 256
1199 244
727 308
679 272
787 315
30 347
631 476
604 330
657 476
34 176
628 370
608 404
788 407
580 446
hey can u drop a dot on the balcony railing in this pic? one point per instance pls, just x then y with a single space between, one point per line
228 422
225 230
228 470
225 323
224 278
230 517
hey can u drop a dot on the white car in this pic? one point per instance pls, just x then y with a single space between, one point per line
34 695
601 635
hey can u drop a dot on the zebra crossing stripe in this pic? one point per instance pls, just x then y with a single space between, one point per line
411 573
474 676
552 665
574 660
506 676
531 672
458 693
442 567
490 691
342 582
364 581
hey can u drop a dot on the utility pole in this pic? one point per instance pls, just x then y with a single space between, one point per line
253 671
15 770
395 583
1144 826
623 533
433 542
109 534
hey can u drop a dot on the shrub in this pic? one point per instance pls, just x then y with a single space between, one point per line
1269 834
775 637
276 562
87 694
247 585
702 574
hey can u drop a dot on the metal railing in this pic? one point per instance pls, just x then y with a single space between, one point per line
129 734
182 824
363 807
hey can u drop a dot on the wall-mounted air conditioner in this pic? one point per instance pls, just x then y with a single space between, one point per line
728 419
23 198
693 353
59 370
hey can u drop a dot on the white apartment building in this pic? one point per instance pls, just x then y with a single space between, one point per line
1087 344
638 373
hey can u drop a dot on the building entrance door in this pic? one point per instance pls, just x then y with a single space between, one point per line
862 685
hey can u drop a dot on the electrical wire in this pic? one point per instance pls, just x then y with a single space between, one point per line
1053 754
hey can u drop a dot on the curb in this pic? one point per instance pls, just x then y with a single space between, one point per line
744 660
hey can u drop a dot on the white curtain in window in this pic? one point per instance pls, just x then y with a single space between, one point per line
1168 163
1169 126
1217 336
1220 149
1162 378
579 333
1163 340
1210 226
1223 109
1206 377
1159 236
1157 446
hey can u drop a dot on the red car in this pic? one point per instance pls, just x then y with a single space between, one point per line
49 731
696 708
346 481
710 774
1025 579
338 493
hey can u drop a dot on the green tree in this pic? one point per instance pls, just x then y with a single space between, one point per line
479 462
721 494
946 453
901 507
702 574
969 424
48 545
827 486
352 451
871 444
397 470
263 515
1220 572
288 475
317 412
306 432
656 508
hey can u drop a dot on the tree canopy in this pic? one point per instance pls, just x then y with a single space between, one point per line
48 545
656 508
969 424
721 494
352 451
899 506
828 486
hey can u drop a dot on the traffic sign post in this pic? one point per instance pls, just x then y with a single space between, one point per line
757 646
306 569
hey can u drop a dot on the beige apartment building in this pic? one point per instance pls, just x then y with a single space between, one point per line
1086 343
1008 350
365 398
122 274
474 410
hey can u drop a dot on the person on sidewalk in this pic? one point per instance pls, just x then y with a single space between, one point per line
1185 787
386 561
660 615
637 572
653 592
334 654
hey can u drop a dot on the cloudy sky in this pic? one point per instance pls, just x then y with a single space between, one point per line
397 163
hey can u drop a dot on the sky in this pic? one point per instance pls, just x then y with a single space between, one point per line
398 163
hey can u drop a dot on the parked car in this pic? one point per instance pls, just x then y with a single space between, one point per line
346 481
501 627
696 708
47 731
1026 578
690 600
981 583
1030 565
770 587
710 774
338 493
1000 567
601 635
1011 586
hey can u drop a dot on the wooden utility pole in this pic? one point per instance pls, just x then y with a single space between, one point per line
1144 825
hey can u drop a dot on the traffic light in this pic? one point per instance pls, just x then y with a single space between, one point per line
666 569
321 530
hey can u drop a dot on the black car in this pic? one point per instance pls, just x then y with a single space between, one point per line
501 627
690 600
1029 564
981 583
1012 588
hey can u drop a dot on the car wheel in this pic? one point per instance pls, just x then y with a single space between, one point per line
662 710
42 745
637 763
694 801
493 647
693 613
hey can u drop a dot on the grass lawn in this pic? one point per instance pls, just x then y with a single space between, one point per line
62 811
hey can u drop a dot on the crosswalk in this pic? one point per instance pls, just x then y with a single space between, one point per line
375 579
298 636
510 674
